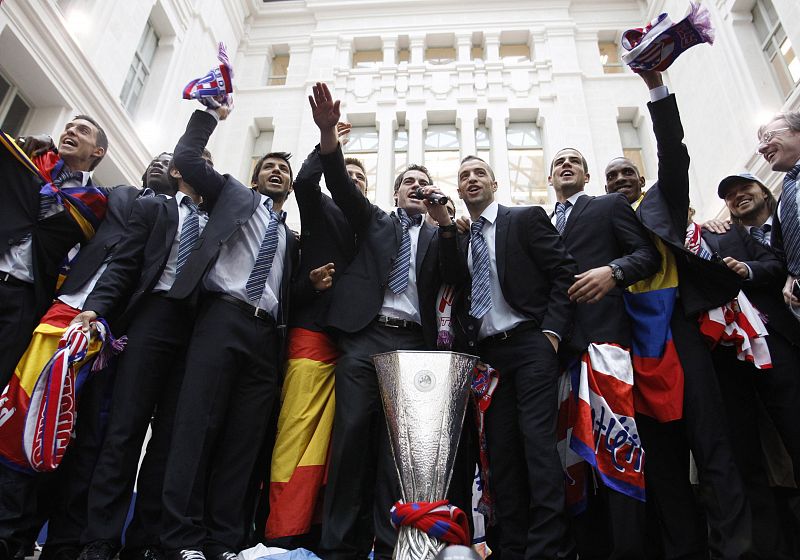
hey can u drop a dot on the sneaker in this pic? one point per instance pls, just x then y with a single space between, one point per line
188 554
227 555
99 550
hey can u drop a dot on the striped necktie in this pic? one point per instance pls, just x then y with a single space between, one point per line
481 288
398 276
790 221
190 233
760 233
561 216
266 253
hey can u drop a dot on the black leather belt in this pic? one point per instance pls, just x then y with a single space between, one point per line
393 323
522 327
262 314
7 278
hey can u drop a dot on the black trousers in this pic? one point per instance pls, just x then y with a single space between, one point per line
362 480
526 474
703 430
740 382
225 403
149 374
27 500
17 321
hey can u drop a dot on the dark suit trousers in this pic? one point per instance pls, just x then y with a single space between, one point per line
17 321
736 379
362 479
225 403
704 431
526 474
148 379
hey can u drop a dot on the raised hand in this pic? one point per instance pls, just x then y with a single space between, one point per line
323 108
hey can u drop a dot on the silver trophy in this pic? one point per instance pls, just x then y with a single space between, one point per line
424 397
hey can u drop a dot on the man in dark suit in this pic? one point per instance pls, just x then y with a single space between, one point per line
703 285
514 317
131 294
66 501
383 301
612 250
245 258
37 234
779 143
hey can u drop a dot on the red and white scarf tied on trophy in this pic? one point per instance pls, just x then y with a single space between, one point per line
215 88
52 411
656 46
738 324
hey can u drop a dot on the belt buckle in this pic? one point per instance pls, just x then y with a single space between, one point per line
504 335
256 310
5 276
386 322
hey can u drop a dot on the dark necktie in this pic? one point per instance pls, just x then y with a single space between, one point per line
760 233
266 253
790 223
398 276
561 216
481 287
190 232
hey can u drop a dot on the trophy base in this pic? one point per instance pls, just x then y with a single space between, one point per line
413 544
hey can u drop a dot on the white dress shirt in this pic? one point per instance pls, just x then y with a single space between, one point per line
77 300
572 200
405 305
171 267
501 317
18 260
237 256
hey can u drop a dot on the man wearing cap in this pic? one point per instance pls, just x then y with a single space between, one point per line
750 203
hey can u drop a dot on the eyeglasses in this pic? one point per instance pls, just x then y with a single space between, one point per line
767 136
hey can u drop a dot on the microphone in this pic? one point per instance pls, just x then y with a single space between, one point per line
434 198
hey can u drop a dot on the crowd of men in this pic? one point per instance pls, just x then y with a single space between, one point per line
201 274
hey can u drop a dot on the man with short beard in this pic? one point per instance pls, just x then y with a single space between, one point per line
242 265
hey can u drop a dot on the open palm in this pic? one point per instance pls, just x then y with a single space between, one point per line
323 108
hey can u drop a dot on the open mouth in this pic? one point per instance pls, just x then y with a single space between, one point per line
743 202
69 142
567 173
275 180
474 189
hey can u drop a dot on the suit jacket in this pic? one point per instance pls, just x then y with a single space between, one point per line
600 231
534 268
138 261
94 253
326 237
358 295
703 284
229 203
769 274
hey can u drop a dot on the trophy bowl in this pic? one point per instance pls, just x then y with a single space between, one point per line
425 397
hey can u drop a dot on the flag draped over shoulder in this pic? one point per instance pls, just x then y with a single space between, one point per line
38 406
658 391
601 428
299 459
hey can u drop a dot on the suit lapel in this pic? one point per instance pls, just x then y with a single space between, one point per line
500 238
423 241
580 206
172 223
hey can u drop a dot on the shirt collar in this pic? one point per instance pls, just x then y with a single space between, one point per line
490 212
574 198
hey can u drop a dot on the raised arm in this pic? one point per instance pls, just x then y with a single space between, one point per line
356 208
189 160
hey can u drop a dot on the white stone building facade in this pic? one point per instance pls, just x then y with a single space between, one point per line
423 81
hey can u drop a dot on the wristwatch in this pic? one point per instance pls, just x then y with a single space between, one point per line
617 273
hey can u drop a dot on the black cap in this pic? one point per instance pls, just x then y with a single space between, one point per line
731 180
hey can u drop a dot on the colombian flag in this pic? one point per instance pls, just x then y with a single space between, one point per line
658 391
16 398
298 472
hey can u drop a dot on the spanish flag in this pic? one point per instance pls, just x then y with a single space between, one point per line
299 460
658 389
